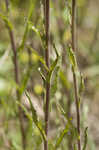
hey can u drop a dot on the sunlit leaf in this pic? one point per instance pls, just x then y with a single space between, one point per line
72 57
41 35
42 75
61 136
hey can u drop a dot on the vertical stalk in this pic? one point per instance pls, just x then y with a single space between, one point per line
74 75
16 71
74 25
43 1
47 25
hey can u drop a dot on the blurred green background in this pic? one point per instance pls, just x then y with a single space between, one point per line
60 32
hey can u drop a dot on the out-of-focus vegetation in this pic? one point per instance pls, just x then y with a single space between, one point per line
27 19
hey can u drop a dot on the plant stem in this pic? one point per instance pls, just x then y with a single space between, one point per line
77 108
74 25
74 75
47 25
16 71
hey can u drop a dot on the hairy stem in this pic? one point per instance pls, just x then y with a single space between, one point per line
74 75
16 71
47 24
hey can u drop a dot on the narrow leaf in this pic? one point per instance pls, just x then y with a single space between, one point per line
64 80
40 58
41 130
25 110
35 118
42 75
34 114
55 82
54 64
81 88
63 113
54 46
72 57
41 35
25 81
61 136
51 70
27 26
36 30
7 22
86 139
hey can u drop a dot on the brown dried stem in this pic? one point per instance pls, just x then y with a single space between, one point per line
74 75
47 25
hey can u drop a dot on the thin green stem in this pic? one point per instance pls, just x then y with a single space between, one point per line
74 75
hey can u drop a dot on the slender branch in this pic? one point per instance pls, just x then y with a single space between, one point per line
74 25
74 75
47 25
77 108
16 71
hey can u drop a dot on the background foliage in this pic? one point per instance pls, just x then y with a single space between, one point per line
28 28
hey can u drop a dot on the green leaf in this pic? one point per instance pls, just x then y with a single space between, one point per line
63 113
55 82
86 139
35 118
42 75
61 136
54 64
70 125
82 86
39 126
24 82
7 22
40 58
64 80
38 33
36 30
34 114
67 15
51 70
25 110
27 26
72 57
54 46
